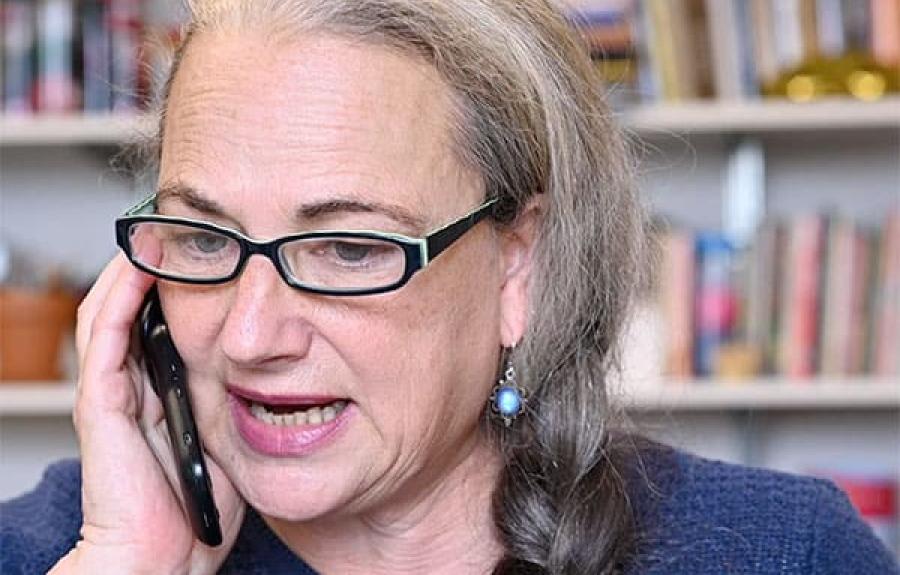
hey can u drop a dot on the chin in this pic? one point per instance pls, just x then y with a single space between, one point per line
281 490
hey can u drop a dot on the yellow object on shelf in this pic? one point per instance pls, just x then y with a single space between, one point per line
855 75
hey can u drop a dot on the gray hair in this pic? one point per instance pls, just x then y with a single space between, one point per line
531 120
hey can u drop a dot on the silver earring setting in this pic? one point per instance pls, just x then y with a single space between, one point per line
508 399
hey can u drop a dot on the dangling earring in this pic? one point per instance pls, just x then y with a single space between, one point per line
508 399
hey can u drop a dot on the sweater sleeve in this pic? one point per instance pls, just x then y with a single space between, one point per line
39 527
843 544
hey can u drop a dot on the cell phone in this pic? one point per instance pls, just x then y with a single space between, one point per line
168 378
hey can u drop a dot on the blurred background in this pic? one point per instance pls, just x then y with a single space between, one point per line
767 138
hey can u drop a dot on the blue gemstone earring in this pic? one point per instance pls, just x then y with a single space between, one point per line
508 399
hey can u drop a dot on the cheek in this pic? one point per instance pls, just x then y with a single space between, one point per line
437 349
194 316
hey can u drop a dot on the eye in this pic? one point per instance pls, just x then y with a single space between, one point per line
353 252
207 243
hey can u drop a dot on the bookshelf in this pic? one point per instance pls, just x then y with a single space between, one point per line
813 155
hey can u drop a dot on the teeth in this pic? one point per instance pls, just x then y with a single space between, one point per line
328 413
311 416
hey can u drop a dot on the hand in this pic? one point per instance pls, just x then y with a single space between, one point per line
133 516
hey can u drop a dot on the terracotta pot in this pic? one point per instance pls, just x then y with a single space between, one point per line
33 326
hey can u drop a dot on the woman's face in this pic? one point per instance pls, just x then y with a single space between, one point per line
272 139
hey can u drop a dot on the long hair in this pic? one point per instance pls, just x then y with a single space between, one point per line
530 117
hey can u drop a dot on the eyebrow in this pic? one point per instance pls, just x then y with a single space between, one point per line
193 199
400 215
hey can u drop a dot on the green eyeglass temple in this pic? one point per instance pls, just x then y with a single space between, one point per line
418 251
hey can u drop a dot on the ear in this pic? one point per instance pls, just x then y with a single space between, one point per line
518 242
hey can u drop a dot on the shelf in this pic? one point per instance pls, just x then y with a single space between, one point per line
767 395
716 117
39 398
55 399
99 129
710 117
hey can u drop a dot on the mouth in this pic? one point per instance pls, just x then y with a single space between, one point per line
287 425
286 415
285 410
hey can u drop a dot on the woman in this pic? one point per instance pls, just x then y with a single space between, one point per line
346 392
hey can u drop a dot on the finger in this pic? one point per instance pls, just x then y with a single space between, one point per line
104 383
94 299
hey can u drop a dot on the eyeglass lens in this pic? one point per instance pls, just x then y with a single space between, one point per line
182 251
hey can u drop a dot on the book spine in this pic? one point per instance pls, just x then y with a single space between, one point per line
725 45
788 33
125 36
663 48
55 78
18 44
715 306
886 32
765 57
677 293
836 298
886 315
830 24
803 302
859 298
96 51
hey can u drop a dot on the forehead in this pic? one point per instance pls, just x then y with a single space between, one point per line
311 119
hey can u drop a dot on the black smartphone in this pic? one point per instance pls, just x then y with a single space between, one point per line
169 380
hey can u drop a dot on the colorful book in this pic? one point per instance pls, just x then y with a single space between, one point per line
18 44
96 56
715 308
55 80
676 301
800 328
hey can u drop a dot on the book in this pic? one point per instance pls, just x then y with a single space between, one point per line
762 309
763 37
97 52
18 44
886 305
798 338
126 26
874 495
676 301
55 80
886 32
725 44
715 308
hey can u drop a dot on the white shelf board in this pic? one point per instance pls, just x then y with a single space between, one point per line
766 395
714 116
39 398
704 116
54 399
73 129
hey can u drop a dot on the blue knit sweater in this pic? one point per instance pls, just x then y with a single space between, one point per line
695 517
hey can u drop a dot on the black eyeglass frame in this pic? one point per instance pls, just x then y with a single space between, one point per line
419 252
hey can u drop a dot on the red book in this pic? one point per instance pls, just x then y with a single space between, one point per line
800 335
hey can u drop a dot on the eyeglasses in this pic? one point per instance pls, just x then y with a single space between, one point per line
333 262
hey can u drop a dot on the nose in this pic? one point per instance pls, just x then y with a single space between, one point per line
265 326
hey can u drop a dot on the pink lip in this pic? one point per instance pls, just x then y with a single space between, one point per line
284 441
301 400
